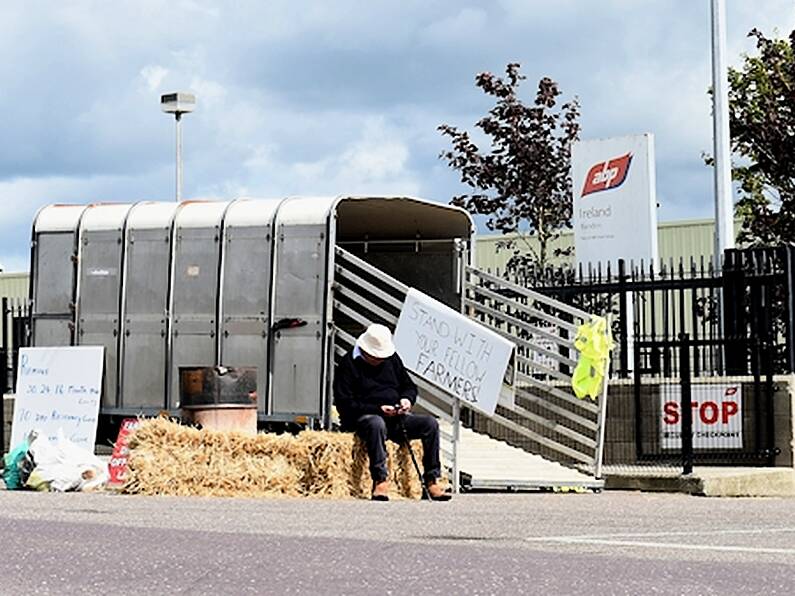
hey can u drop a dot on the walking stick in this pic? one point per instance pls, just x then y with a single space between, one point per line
426 495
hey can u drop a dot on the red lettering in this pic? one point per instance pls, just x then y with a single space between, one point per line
117 462
712 416
671 412
729 409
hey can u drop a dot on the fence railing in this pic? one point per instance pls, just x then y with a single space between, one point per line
364 294
686 418
14 325
14 334
750 296
546 417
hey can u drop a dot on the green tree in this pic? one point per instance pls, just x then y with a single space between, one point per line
523 184
762 122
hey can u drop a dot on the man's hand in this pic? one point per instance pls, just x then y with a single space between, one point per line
389 410
405 406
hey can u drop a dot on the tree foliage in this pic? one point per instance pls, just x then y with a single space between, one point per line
762 122
523 183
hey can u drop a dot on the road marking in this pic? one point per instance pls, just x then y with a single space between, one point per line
611 540
658 534
672 545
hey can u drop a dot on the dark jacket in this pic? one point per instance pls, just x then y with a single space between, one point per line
361 388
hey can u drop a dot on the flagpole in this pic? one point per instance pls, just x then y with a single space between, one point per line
724 212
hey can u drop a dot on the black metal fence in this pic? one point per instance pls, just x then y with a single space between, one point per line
684 418
701 344
14 324
751 297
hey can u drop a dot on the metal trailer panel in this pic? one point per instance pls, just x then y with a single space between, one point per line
145 294
58 218
53 291
302 291
99 280
409 239
401 218
52 332
194 288
246 286
53 274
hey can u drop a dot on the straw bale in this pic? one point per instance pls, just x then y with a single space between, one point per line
167 458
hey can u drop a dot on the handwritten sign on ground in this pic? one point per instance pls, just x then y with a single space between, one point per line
58 388
452 351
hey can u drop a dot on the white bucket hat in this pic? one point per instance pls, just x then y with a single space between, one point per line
376 341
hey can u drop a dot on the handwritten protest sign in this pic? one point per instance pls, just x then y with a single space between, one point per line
58 388
452 351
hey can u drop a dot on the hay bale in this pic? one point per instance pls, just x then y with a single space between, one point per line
402 475
167 458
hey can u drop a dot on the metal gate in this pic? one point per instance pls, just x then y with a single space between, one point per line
14 334
691 418
546 419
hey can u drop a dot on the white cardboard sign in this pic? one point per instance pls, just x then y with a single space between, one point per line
451 351
717 416
58 388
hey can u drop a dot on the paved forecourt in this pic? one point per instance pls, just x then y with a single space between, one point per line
614 542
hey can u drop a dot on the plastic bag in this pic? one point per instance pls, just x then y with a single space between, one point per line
64 466
36 482
12 461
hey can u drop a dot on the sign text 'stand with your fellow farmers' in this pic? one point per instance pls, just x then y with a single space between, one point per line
452 351
459 363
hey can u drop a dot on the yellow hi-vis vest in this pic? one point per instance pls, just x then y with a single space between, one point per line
594 343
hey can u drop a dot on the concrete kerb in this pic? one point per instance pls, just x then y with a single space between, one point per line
710 482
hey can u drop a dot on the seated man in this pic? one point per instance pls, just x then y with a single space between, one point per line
374 394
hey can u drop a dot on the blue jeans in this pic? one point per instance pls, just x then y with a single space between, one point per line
374 430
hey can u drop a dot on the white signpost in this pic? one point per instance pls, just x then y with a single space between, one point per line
58 388
615 201
717 416
451 351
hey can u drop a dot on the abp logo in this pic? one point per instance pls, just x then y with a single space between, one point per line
606 175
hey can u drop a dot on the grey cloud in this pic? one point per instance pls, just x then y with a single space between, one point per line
287 91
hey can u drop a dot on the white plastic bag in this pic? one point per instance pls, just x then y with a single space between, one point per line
66 466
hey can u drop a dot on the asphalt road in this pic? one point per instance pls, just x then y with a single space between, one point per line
609 543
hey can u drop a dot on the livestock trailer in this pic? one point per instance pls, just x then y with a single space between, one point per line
241 283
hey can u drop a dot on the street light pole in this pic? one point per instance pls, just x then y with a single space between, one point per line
178 119
724 213
178 104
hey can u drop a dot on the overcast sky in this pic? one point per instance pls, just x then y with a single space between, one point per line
333 97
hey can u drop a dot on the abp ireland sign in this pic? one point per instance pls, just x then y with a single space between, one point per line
615 203
607 175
